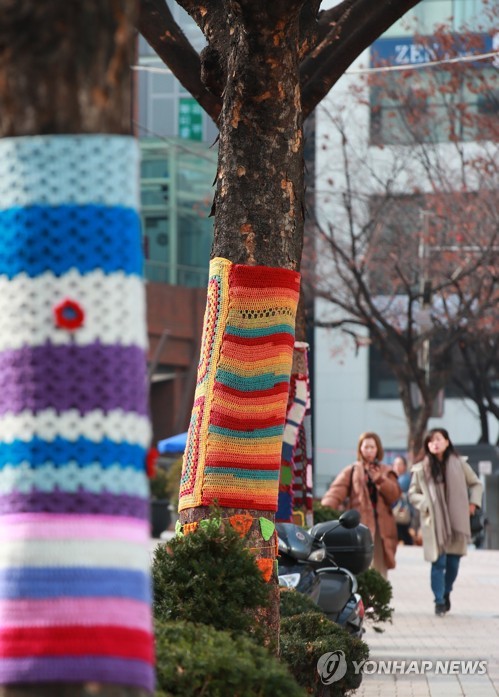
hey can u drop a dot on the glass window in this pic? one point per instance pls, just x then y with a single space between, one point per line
176 197
157 240
382 381
163 116
396 223
383 384
154 168
155 195
194 239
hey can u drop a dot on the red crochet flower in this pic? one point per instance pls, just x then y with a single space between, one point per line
69 315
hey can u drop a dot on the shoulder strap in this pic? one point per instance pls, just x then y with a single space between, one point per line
351 480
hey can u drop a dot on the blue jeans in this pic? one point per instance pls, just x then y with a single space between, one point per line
443 574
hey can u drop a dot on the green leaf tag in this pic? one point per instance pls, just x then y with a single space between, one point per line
267 527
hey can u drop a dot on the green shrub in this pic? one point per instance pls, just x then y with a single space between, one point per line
322 514
195 660
173 475
376 593
294 603
209 577
158 485
308 636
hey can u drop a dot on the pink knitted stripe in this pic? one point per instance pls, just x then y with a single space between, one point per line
30 612
64 526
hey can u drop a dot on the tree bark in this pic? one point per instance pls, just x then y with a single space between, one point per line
259 184
65 69
417 421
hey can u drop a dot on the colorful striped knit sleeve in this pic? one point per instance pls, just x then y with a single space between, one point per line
233 451
74 531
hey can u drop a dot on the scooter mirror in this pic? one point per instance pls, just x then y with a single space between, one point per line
350 519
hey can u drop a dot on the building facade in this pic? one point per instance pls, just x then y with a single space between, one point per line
177 171
367 154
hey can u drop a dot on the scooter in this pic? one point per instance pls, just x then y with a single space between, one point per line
310 562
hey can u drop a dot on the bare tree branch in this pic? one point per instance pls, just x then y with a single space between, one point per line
361 23
157 26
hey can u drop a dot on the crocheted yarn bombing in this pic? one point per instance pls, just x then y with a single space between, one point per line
302 456
74 430
293 471
234 440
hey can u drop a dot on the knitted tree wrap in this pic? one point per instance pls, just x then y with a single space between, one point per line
74 427
233 448
295 484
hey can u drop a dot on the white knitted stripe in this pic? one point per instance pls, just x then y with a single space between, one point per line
114 307
117 425
93 479
113 554
69 169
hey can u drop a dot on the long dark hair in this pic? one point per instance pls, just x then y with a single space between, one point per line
437 467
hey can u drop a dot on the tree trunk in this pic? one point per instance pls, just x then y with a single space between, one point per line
259 186
417 419
65 69
484 423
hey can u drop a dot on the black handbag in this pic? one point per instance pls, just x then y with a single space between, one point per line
476 522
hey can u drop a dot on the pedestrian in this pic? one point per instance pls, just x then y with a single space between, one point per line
372 488
446 492
402 510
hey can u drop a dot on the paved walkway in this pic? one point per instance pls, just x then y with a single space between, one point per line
469 632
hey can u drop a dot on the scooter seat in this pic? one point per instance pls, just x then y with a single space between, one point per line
335 589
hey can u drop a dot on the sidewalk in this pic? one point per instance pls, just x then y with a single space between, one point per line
469 632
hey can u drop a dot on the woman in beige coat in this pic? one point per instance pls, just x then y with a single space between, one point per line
446 492
372 488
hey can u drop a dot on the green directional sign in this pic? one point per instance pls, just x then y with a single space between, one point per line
190 119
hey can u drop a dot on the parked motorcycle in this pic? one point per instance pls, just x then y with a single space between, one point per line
322 564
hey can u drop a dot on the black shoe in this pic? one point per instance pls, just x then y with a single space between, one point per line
440 609
447 602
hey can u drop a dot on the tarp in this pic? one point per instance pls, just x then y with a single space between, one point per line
174 444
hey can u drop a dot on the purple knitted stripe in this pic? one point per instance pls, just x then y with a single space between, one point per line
73 669
81 502
73 377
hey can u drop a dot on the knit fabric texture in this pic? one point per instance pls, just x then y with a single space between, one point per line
75 585
295 483
233 449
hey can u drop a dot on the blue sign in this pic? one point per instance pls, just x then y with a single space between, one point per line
407 50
